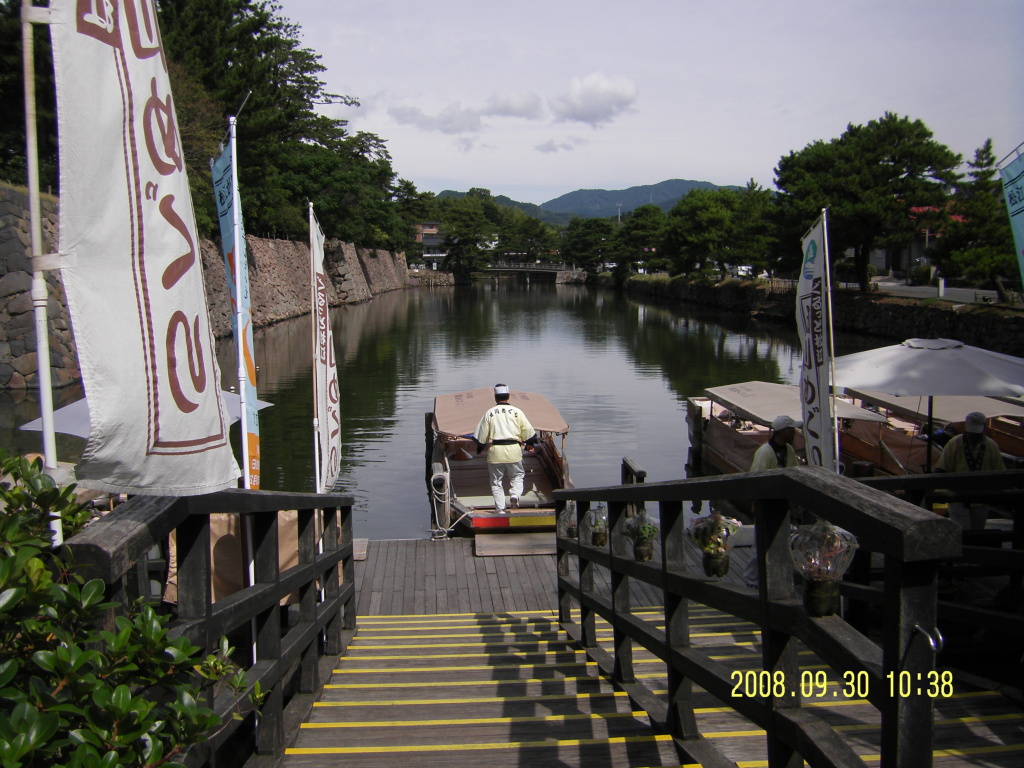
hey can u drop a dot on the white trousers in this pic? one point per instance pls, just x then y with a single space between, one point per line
497 473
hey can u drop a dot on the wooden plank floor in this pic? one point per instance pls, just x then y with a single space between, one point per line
459 660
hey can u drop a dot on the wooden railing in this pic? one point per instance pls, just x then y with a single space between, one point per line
289 662
912 540
983 552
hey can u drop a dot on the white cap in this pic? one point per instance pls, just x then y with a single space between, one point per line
784 422
500 389
975 422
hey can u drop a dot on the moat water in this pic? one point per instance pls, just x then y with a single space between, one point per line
618 369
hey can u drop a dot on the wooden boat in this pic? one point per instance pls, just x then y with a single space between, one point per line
729 423
1005 418
457 478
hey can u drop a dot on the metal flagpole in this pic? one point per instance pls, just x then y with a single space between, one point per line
312 316
40 295
833 418
237 247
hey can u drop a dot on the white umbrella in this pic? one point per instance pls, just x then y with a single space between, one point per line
929 367
926 367
73 419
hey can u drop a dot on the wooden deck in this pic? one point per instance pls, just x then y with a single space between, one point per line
459 660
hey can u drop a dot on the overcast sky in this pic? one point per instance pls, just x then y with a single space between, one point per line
535 99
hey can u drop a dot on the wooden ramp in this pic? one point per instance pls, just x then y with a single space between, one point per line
480 674
473 689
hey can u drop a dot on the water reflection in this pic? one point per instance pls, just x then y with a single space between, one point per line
619 370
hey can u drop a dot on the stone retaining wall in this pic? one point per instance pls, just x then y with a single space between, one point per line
18 364
279 274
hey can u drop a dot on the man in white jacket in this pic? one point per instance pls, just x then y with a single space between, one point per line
507 430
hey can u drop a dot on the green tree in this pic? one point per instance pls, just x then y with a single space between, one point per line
587 243
639 237
523 237
753 233
698 231
869 178
977 242
466 233
13 165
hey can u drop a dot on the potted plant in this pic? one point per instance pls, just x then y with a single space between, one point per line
642 532
597 522
712 534
567 526
821 553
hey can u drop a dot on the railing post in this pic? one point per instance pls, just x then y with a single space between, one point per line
309 677
264 526
911 590
779 648
588 625
620 550
563 567
682 721
192 543
348 573
332 590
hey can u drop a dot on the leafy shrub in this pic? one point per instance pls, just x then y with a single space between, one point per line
73 693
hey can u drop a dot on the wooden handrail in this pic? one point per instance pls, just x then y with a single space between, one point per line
282 658
913 541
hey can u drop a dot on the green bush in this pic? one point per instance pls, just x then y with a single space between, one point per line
71 692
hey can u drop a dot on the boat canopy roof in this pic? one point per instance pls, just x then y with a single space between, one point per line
945 408
762 401
459 413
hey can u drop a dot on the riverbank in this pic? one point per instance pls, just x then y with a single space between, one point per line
891 318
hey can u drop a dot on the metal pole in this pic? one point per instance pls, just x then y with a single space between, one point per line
312 313
238 247
833 419
39 293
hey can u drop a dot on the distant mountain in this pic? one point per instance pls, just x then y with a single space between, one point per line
601 203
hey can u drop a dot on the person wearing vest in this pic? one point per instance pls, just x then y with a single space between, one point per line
505 429
970 451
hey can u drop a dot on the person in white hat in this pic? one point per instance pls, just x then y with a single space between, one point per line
970 451
506 429
778 451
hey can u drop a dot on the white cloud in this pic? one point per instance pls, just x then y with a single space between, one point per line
525 105
568 145
452 119
595 99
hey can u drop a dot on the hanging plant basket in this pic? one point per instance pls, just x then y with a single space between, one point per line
821 553
599 538
716 564
821 598
643 550
714 535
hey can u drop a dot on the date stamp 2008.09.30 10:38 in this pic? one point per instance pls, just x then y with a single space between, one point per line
763 684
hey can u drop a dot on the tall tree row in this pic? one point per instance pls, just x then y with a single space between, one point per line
222 54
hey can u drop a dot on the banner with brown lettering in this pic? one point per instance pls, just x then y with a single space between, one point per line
326 390
131 265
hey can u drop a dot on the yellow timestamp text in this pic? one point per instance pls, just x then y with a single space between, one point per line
762 684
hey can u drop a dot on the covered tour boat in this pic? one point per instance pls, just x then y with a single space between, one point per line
457 478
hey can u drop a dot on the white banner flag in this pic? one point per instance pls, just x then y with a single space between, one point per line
132 271
812 308
326 390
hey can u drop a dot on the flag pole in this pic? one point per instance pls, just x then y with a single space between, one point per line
312 317
833 411
40 294
238 248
